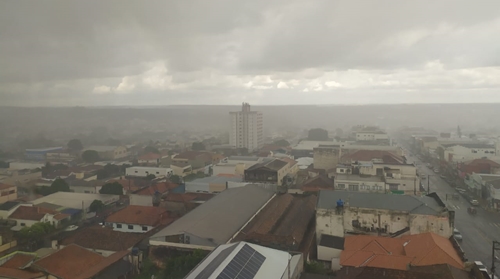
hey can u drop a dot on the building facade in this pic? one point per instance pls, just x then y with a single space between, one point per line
246 128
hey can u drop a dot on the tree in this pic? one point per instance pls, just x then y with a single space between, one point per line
179 267
175 179
96 206
282 142
113 188
315 268
151 149
198 146
36 231
59 185
150 176
317 134
75 145
90 156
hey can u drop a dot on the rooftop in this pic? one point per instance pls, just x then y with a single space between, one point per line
191 155
33 213
138 215
332 241
425 205
310 145
188 197
398 253
46 149
102 148
149 156
244 158
439 271
216 179
471 145
317 182
273 164
369 155
160 187
8 205
4 186
75 200
218 219
19 261
262 262
103 238
357 177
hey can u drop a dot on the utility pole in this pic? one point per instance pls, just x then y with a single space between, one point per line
495 247
428 184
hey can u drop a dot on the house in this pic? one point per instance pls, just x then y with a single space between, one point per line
181 171
388 215
440 271
109 152
235 165
214 184
151 195
27 216
260 263
137 219
399 253
481 184
360 183
83 186
7 192
269 171
326 156
482 165
371 156
195 159
305 148
60 157
216 221
131 184
145 171
80 201
17 266
329 250
75 262
316 183
102 240
149 159
285 223
181 203
39 154
7 208
461 152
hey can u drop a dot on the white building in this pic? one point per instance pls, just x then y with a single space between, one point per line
145 171
387 215
371 136
246 128
136 218
468 151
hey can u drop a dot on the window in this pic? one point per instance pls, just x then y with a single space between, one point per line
118 226
341 186
157 172
145 229
135 171
130 227
393 187
23 224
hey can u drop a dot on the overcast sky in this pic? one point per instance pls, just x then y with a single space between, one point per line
67 53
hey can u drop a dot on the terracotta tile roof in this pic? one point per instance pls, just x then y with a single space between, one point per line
19 274
161 187
18 261
368 155
97 237
33 213
397 253
192 155
316 183
149 156
69 262
482 162
291 162
4 186
131 184
103 264
139 215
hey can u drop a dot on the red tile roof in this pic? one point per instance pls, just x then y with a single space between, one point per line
103 264
397 253
317 183
18 261
161 187
477 162
149 157
33 213
69 262
139 215
131 184
19 274
4 186
192 155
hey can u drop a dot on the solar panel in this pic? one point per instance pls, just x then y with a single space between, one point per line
244 265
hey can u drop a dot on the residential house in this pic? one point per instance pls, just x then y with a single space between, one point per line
467 151
80 201
360 183
181 171
261 263
216 221
17 266
329 249
7 192
441 271
75 262
137 219
60 157
39 154
285 223
235 165
103 240
399 253
83 186
271 171
149 159
482 165
214 184
195 159
485 186
145 171
27 216
388 215
7 208
314 184
110 152
152 194
305 148
131 184
181 203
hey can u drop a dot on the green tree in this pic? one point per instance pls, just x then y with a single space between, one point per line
75 145
96 206
317 134
151 149
198 146
59 185
282 142
179 267
150 176
36 231
315 267
113 188
175 179
90 156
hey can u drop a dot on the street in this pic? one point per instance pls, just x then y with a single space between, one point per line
478 230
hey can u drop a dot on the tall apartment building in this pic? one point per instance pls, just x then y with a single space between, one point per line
246 128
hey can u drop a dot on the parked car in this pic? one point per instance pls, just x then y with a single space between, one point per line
481 266
71 228
436 170
457 235
460 190
474 202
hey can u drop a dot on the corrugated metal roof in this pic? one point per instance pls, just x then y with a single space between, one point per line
418 205
218 219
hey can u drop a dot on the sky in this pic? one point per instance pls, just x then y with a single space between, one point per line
265 52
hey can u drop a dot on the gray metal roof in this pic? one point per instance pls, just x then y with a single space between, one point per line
221 217
418 205
243 158
216 179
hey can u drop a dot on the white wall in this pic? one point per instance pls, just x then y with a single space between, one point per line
25 165
363 186
224 169
130 228
141 200
328 253
145 171
27 223
461 153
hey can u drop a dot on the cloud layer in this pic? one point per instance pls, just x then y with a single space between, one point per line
66 53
